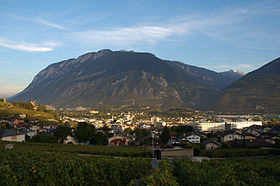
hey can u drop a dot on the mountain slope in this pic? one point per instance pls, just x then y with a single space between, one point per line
232 75
121 78
258 91
211 79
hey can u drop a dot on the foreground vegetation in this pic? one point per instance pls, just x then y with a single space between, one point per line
56 168
239 152
81 149
214 172
228 172
58 164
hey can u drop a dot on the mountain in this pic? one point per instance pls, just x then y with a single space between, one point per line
232 75
6 95
211 79
258 91
124 78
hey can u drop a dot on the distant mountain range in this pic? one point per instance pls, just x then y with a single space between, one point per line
126 78
258 91
6 95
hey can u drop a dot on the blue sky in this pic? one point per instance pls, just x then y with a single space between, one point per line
216 34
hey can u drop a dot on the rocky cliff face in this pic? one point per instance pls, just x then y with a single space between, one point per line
258 91
124 78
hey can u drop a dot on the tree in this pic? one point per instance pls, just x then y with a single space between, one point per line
62 132
128 130
99 139
273 121
140 133
43 138
165 135
85 132
181 129
105 129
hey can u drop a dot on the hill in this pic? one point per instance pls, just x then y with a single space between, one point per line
9 110
124 78
258 91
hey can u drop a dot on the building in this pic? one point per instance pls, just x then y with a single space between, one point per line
243 124
155 120
11 135
211 144
210 126
220 126
191 137
70 140
2 100
94 112
119 140
231 135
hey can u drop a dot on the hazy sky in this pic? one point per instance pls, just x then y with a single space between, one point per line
216 34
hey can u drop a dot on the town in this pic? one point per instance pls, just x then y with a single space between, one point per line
173 129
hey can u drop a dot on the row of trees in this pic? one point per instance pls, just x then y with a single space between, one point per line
84 133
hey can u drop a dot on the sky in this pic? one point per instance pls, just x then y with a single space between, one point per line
218 35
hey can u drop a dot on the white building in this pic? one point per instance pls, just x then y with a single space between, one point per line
94 112
192 138
210 126
155 120
11 135
70 140
220 126
230 136
243 124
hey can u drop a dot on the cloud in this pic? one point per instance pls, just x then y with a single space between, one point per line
124 36
242 67
245 66
145 33
44 22
39 20
262 9
30 47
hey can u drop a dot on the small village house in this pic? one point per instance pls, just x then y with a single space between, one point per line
11 135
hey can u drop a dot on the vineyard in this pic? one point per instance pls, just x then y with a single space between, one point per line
30 168
228 172
82 149
57 164
214 172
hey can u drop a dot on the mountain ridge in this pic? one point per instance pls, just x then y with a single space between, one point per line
123 78
256 92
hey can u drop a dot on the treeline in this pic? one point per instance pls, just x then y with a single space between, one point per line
84 133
